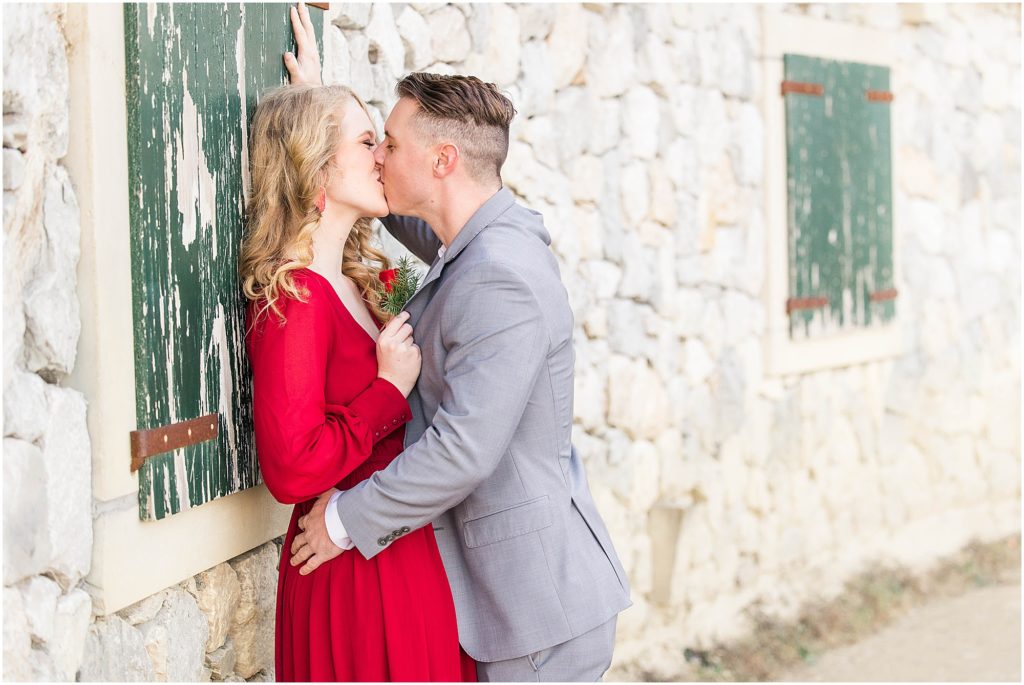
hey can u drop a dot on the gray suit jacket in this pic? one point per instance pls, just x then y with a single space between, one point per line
488 456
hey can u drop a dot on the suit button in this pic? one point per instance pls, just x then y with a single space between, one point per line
405 529
394 422
377 434
382 542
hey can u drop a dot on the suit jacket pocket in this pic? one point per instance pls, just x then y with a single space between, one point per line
519 519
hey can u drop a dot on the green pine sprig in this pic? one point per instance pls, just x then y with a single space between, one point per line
406 281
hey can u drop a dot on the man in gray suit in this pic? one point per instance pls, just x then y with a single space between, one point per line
488 459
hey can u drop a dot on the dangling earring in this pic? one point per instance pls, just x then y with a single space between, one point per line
321 200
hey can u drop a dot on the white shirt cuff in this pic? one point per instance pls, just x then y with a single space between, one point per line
335 528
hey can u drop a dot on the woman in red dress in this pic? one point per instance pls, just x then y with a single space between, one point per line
330 382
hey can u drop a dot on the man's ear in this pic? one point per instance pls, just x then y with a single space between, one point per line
445 160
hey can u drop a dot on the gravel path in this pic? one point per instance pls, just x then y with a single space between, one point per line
973 637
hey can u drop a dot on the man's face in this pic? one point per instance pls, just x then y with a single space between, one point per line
404 161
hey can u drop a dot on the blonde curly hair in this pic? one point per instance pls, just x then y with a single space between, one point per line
295 133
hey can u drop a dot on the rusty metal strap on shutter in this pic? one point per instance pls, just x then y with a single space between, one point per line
878 95
883 295
319 5
797 303
802 88
147 443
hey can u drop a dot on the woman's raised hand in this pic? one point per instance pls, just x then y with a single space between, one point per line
398 356
305 69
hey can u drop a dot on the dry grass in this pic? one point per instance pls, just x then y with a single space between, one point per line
868 602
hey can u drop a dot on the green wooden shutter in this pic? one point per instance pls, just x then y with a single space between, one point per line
194 72
839 175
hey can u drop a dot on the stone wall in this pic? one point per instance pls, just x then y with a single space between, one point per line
640 138
47 503
218 625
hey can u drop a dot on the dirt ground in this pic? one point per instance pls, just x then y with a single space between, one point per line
974 637
958 621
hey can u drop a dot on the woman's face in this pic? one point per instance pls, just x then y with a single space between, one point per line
354 182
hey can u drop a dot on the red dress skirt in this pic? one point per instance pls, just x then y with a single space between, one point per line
323 419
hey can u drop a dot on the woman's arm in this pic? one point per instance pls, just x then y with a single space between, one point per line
306 445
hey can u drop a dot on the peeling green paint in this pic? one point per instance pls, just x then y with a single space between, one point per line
194 72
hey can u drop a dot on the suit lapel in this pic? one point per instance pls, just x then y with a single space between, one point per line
418 302
497 205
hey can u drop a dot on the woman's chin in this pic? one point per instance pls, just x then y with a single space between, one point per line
376 209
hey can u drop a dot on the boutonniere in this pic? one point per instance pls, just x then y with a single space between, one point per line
397 286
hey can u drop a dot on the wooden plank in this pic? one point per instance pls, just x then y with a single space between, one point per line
880 275
194 72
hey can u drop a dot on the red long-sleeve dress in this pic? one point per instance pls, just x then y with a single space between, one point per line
323 419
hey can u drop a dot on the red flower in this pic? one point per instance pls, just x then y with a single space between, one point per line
387 278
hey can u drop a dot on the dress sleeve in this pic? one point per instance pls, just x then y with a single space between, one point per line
305 445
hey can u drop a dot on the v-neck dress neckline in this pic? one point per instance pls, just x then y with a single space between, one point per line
341 303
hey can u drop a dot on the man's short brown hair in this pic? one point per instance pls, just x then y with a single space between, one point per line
472 114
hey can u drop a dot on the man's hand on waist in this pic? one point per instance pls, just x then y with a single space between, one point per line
314 545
